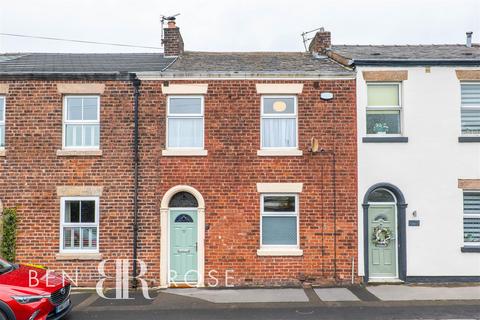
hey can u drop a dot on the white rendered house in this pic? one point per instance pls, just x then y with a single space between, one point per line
418 110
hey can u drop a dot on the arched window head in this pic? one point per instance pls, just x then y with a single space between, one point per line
380 195
183 200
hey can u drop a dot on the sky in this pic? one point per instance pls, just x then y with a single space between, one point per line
233 25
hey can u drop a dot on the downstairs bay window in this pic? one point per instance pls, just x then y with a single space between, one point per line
79 224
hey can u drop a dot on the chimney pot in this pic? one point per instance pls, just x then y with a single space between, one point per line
469 39
320 42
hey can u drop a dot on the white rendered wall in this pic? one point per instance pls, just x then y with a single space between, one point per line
426 170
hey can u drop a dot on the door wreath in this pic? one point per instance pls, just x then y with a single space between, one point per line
381 236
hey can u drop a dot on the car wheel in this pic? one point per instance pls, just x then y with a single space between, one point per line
3 316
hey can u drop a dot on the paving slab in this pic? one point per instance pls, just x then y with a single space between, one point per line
335 294
243 295
403 292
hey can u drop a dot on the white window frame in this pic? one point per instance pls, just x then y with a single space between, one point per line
470 108
385 108
2 123
64 224
67 122
283 116
282 214
186 115
468 215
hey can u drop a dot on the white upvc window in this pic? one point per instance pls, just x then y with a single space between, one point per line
470 108
471 218
79 231
279 123
81 122
384 108
2 122
185 122
279 223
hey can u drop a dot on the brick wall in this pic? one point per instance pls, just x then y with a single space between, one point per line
31 171
226 178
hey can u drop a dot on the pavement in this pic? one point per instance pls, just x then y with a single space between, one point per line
355 302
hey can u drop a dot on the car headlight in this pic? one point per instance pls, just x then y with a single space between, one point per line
29 299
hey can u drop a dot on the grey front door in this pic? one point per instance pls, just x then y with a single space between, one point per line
382 247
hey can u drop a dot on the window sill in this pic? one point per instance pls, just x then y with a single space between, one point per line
79 256
79 153
384 139
469 139
3 152
279 153
185 153
470 249
279 252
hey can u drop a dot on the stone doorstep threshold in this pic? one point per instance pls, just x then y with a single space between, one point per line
182 286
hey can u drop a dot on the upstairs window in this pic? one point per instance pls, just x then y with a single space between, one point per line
79 225
2 122
470 110
279 224
471 218
279 122
185 122
81 124
383 109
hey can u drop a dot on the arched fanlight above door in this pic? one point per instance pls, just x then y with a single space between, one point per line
183 200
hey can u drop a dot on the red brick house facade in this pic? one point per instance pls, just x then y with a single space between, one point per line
236 182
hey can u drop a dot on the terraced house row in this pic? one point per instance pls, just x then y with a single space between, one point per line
341 164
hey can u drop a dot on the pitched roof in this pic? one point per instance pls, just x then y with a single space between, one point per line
82 62
261 63
446 53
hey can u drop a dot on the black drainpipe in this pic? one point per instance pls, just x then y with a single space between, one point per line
136 94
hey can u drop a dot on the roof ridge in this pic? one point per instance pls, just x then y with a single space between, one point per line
406 45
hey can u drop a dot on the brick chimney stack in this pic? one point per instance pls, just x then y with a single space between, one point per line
321 42
172 40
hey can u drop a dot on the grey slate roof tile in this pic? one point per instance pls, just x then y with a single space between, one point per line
409 52
256 62
82 63
190 62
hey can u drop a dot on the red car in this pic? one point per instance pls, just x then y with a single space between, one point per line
28 293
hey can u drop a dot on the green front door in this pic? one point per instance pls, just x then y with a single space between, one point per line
382 241
183 246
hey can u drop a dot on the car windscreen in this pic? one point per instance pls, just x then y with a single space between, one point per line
5 266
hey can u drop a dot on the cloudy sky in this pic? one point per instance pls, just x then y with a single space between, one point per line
234 25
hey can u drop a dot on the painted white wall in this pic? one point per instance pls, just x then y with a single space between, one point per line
426 170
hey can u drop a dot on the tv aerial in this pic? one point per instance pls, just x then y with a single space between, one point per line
306 36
